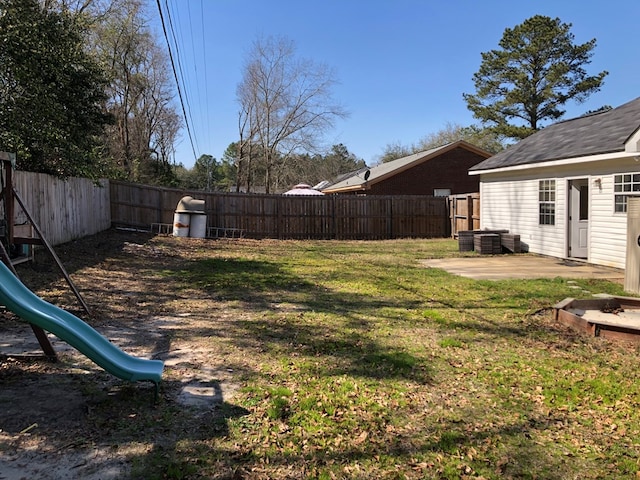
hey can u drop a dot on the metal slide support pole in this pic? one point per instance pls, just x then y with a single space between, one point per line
40 334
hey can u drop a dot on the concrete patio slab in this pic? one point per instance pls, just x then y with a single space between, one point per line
499 267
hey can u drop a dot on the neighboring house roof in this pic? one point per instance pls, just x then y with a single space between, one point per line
359 180
592 134
345 176
302 189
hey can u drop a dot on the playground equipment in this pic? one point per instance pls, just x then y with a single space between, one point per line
66 326
42 315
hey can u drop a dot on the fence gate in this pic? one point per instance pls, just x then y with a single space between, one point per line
464 212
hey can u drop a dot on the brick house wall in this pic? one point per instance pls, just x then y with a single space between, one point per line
446 171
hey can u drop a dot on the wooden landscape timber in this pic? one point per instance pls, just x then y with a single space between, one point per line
613 318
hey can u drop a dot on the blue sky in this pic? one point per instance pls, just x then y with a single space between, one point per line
402 65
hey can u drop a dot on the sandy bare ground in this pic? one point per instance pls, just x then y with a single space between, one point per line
71 419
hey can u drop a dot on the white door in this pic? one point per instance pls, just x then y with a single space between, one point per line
578 217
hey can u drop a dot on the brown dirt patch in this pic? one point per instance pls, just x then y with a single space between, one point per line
71 419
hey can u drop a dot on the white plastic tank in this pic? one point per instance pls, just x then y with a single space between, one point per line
198 227
181 224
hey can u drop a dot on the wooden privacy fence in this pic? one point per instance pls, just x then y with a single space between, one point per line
63 209
295 217
464 212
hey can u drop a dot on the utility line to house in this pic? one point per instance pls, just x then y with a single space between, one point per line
175 75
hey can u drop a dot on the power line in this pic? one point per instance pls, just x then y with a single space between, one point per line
194 61
175 75
204 63
181 70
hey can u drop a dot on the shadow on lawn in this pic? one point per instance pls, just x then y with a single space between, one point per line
349 340
96 424
184 441
350 343
178 434
510 450
334 352
87 251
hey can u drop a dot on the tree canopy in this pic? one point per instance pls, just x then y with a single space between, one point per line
207 174
299 168
483 138
140 142
51 91
536 71
85 90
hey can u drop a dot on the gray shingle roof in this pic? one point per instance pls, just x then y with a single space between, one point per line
593 134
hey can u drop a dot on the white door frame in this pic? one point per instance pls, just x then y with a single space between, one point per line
578 207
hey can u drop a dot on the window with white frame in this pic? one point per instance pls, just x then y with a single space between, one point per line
624 186
547 202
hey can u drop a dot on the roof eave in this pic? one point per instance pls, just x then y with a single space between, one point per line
555 163
347 189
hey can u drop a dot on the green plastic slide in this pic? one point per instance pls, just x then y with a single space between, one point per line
69 328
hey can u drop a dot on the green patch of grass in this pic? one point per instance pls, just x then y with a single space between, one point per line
279 407
449 442
450 342
435 316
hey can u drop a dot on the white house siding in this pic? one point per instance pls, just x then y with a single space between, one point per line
607 229
512 204
510 200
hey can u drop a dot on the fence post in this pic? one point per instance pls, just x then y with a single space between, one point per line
278 220
451 204
333 233
469 212
161 206
390 229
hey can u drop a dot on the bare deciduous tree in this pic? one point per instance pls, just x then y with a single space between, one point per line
286 104
140 93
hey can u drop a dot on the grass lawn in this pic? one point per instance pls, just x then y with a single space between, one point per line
353 361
